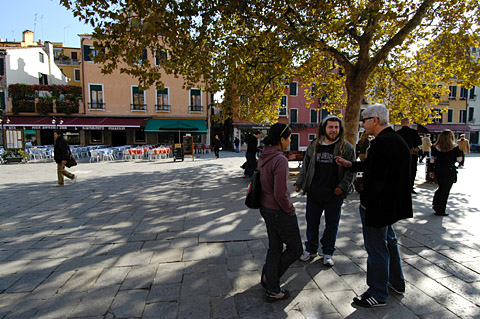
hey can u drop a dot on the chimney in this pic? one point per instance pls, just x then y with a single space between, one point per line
27 38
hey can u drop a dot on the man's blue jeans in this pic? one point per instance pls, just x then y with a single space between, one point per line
383 263
315 208
282 229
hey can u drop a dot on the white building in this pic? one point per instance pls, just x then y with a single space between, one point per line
28 65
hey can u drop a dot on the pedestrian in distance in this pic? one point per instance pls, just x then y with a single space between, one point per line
385 199
251 154
445 154
362 146
413 140
61 153
278 212
236 142
426 147
464 146
216 146
326 185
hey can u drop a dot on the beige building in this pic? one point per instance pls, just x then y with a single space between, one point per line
167 114
68 60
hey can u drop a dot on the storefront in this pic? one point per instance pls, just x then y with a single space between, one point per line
81 130
170 131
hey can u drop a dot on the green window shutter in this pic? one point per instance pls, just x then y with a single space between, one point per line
136 90
95 87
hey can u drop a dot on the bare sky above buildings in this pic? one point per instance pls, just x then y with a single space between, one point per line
49 20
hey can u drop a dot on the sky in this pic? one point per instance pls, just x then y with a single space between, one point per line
49 20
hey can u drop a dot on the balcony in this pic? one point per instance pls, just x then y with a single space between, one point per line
195 108
96 106
138 107
162 108
67 61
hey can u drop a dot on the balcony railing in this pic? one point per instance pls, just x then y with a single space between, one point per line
195 108
138 107
162 108
96 106
67 61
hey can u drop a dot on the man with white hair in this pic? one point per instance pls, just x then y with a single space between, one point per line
385 199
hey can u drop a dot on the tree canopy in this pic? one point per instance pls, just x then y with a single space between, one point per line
394 52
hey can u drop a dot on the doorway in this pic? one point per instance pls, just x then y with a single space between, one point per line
119 138
294 142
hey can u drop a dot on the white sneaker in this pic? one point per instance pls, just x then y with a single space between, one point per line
328 260
306 256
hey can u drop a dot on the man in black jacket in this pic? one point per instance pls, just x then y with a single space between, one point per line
61 154
386 199
413 140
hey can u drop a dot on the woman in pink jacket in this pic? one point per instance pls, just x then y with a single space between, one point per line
278 212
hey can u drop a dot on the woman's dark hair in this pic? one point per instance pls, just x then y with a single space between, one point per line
277 131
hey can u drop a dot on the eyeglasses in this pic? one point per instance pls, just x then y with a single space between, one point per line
286 126
367 118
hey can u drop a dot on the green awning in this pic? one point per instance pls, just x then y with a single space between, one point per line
177 125
30 132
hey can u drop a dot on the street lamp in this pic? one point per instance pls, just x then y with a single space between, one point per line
3 120
57 122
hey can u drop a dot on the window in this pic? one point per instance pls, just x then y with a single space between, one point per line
2 100
195 100
439 119
313 89
96 137
293 89
293 115
89 53
143 57
138 99
41 57
470 114
453 92
76 75
283 106
324 114
96 97
2 67
313 116
74 56
311 137
162 101
472 93
462 116
160 57
42 79
463 93
450 116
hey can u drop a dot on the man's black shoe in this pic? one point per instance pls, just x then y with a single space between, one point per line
368 301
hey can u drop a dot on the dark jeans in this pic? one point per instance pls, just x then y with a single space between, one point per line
281 229
383 262
315 208
445 177
216 150
251 163
462 162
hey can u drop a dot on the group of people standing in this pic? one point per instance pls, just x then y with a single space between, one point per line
388 163
326 177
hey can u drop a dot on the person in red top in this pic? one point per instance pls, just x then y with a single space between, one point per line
278 212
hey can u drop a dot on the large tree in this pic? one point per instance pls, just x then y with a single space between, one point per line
343 51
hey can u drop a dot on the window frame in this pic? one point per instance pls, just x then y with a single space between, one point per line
41 57
293 119
295 85
90 97
75 75
283 109
312 137
314 113
133 104
162 107
462 116
195 101
452 94
450 116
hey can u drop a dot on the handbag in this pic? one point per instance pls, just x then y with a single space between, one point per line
71 162
254 191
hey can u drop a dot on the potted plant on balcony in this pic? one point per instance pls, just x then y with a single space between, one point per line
44 105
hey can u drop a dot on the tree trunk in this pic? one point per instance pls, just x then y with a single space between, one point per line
355 94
